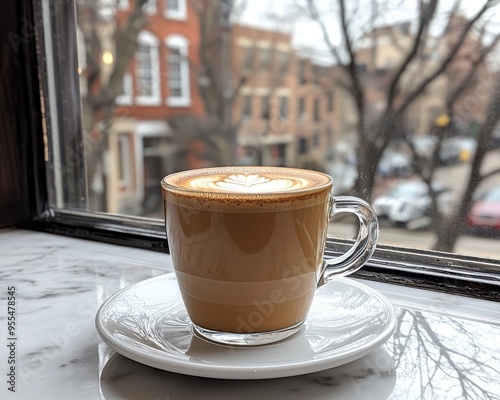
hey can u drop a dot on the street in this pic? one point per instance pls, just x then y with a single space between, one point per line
454 177
467 245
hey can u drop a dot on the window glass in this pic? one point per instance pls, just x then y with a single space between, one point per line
316 110
283 61
264 58
283 106
329 101
145 80
302 107
401 96
247 106
175 9
264 107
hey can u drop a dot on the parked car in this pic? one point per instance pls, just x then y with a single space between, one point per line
485 212
395 164
424 145
455 150
409 203
344 176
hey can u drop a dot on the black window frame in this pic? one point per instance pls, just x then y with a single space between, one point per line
25 188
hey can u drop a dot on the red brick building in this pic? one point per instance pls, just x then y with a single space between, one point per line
160 83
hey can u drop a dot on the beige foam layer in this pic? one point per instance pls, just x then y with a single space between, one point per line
237 179
176 190
217 202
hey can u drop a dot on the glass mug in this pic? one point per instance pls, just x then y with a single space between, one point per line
247 245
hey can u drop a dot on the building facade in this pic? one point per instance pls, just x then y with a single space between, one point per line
159 83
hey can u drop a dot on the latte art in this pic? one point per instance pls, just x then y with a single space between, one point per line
248 183
247 189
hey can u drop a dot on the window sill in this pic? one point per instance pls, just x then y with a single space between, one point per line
148 101
175 16
178 102
83 274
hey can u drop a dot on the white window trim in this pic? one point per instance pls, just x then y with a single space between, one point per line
180 43
148 39
126 97
150 7
180 13
123 5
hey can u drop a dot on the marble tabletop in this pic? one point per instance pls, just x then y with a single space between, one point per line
444 347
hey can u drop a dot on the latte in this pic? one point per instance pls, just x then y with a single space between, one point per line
247 244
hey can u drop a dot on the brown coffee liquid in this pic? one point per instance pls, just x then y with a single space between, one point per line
248 263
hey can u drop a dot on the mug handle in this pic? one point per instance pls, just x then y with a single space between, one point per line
365 244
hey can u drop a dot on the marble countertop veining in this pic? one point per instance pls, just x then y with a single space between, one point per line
444 347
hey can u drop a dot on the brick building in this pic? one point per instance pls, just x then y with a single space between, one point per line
288 109
160 83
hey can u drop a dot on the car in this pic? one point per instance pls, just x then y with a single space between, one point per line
484 215
344 177
455 150
395 164
424 145
409 204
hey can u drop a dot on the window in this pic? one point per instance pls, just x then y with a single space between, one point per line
175 9
152 78
283 107
247 58
316 110
125 98
302 146
178 71
264 107
264 58
302 72
247 106
123 4
329 102
302 107
315 140
283 61
147 72
150 6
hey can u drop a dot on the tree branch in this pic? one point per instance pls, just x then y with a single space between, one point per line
426 15
447 60
313 11
467 81
351 65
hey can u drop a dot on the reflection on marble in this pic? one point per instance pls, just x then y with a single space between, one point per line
370 377
445 347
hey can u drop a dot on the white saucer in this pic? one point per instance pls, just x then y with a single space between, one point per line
147 322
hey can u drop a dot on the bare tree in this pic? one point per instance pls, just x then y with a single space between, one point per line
217 86
449 227
424 355
95 18
219 83
374 138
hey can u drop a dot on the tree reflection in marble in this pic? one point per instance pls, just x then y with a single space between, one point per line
443 357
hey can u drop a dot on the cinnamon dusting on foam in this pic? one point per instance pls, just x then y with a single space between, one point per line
247 189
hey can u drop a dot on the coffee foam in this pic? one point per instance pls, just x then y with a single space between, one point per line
246 189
